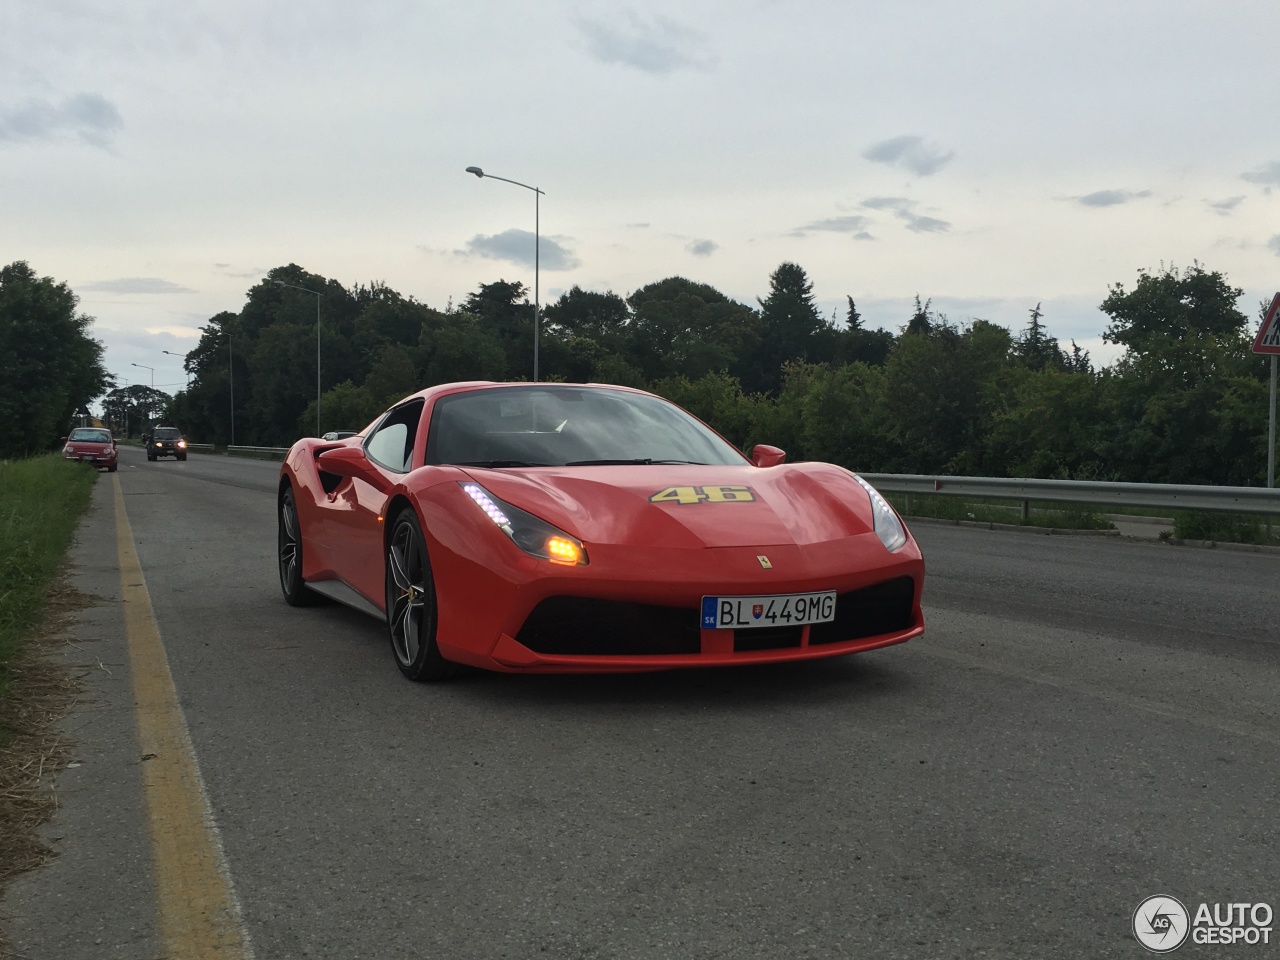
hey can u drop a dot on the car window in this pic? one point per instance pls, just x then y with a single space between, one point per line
86 435
167 433
557 425
391 444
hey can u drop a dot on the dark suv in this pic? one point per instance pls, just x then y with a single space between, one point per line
166 442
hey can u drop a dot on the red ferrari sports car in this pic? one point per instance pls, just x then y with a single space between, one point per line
582 527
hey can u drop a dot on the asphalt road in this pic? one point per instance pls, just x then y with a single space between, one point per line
1085 723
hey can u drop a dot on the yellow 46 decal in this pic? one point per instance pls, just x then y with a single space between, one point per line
716 494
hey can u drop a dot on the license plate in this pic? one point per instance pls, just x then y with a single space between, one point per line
778 610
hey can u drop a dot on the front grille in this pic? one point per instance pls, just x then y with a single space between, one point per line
869 612
766 638
583 626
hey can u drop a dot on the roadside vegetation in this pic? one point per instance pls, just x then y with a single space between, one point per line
1058 516
44 499
1227 528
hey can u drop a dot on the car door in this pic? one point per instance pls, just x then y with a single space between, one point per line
354 506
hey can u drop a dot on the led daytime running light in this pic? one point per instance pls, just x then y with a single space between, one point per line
487 505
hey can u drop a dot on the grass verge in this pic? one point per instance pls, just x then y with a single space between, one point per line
1226 528
1059 516
43 500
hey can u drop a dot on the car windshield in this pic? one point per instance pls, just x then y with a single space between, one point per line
87 435
167 433
568 426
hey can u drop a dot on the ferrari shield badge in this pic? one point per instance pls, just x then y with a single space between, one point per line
764 562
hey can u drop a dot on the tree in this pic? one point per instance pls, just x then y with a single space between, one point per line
853 318
683 328
504 312
49 366
132 410
1035 349
1173 402
922 319
790 324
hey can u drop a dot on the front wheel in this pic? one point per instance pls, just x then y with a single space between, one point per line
289 550
112 468
411 603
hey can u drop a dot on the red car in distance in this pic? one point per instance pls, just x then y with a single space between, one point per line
553 527
91 445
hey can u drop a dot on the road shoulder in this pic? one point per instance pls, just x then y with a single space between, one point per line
95 900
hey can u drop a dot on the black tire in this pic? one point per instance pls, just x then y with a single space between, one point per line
112 468
151 457
289 555
411 603
182 459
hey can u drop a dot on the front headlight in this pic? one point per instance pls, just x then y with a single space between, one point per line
159 444
534 536
183 444
888 527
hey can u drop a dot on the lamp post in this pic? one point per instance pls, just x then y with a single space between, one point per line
184 364
537 244
315 294
145 367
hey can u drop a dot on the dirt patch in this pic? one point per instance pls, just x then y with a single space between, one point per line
43 688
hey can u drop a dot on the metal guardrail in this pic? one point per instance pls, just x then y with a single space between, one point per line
1169 496
277 453
200 447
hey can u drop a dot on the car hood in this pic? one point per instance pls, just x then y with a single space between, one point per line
789 504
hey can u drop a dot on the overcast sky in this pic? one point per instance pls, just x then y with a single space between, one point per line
160 157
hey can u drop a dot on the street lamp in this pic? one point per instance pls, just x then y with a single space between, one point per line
537 196
145 367
315 294
184 364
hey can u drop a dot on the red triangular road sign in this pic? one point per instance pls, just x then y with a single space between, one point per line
1268 338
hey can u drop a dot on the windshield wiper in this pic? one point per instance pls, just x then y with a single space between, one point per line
496 464
639 461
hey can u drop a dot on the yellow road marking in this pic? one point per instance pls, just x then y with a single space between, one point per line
198 914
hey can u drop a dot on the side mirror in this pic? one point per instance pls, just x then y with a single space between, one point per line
63 440
763 455
351 462
113 442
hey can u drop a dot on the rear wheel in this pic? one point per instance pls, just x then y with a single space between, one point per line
289 543
411 603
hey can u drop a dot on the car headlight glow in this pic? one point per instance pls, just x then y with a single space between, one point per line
888 527
182 443
534 536
159 444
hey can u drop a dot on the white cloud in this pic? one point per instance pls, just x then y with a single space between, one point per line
1111 198
904 210
86 116
910 153
1224 207
659 45
703 248
1268 174
517 246
852 224
1274 244
134 285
